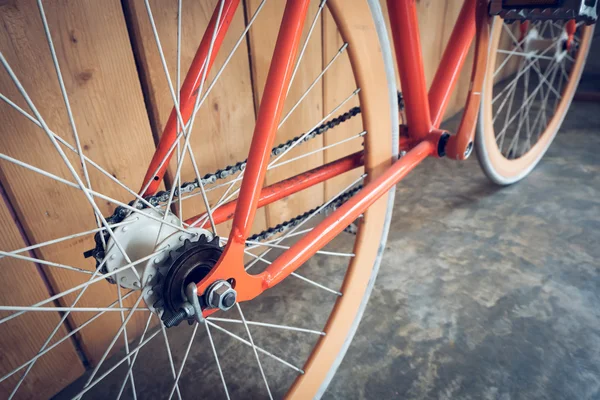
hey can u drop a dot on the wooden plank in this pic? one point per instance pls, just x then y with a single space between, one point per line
21 338
263 36
100 76
223 127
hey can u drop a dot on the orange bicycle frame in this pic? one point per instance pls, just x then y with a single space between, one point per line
424 113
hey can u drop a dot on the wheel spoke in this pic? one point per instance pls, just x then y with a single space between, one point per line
275 326
71 148
294 274
262 372
278 246
179 126
66 337
522 54
100 277
92 192
212 345
117 365
320 149
259 349
549 71
305 45
62 154
312 85
170 356
297 227
71 309
112 343
187 135
64 238
518 75
65 96
44 262
126 340
185 357
132 363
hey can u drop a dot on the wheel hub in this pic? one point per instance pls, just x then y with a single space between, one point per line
181 258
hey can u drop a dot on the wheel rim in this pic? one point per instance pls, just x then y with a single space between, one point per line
513 140
370 74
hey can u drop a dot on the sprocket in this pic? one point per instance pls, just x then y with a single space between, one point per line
190 262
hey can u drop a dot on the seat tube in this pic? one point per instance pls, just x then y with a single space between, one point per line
407 43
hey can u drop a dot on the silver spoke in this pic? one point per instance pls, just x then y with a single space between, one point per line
212 345
259 349
170 356
133 352
64 238
62 154
126 339
185 357
278 246
297 227
522 54
549 71
305 45
91 192
179 127
70 309
186 145
44 262
294 274
262 372
66 337
100 277
112 343
71 148
65 96
275 326
320 149
132 363
312 85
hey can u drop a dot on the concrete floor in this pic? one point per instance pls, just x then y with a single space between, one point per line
483 293
489 293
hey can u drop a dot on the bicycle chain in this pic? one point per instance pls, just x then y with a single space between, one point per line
121 212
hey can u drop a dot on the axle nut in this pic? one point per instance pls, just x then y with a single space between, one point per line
221 295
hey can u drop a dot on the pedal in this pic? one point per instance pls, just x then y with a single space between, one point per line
543 10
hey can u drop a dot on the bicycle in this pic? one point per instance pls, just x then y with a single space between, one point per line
184 268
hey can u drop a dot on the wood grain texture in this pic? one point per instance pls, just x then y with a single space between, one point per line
21 338
100 76
263 36
223 127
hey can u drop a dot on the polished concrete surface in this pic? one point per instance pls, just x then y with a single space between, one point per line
483 293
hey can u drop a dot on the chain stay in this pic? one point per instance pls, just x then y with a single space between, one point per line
155 200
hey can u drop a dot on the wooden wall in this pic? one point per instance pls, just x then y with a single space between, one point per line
120 109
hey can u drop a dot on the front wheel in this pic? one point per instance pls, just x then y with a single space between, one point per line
532 74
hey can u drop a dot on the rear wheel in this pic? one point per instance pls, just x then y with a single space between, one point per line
533 72
290 340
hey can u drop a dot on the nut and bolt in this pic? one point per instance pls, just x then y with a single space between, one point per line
221 295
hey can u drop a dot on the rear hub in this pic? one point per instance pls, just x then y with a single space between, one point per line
180 259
